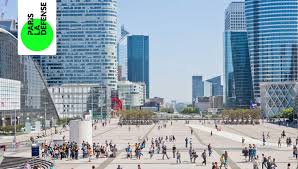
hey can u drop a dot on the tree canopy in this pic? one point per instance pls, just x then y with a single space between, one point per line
136 115
190 110
288 113
241 115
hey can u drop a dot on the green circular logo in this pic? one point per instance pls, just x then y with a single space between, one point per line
37 35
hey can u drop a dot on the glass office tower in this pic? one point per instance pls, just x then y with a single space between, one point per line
273 39
138 60
36 103
197 87
86 44
237 72
217 88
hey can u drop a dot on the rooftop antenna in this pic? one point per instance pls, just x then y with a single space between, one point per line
3 10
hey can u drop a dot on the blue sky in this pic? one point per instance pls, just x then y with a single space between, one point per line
185 40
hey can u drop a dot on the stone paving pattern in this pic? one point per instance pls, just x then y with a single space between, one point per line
121 136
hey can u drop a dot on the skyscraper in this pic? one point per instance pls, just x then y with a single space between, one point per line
237 72
273 40
138 60
217 88
86 44
197 87
35 100
207 89
122 54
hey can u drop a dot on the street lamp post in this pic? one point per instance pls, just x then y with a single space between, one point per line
92 92
15 128
41 121
45 118
101 103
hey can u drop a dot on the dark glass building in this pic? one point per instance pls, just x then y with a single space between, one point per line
217 88
237 71
138 60
35 102
197 87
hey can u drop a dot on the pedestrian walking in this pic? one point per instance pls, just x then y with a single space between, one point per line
269 163
245 153
222 161
226 158
273 164
186 142
194 156
151 151
90 153
178 156
250 153
204 156
256 162
279 142
295 152
174 150
209 149
164 152
190 154
264 161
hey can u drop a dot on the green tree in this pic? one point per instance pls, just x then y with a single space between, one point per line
190 110
288 113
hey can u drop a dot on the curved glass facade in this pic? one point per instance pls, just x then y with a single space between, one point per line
86 44
35 98
272 39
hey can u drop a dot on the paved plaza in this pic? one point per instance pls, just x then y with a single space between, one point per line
228 139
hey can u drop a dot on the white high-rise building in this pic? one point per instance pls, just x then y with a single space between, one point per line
86 44
131 94
235 17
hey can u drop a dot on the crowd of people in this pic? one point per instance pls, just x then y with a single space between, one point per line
164 148
72 151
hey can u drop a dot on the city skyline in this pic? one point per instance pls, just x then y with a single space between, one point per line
166 39
218 79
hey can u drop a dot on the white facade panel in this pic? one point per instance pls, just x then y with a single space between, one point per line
10 94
